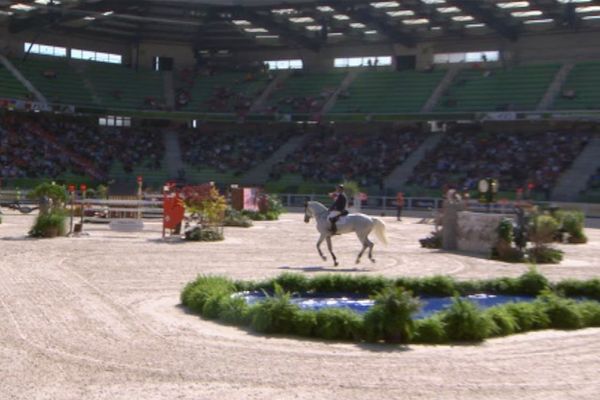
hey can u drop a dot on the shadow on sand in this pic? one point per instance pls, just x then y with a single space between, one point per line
317 268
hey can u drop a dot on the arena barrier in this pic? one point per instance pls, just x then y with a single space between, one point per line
387 204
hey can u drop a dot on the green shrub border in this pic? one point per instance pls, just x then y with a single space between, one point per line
211 297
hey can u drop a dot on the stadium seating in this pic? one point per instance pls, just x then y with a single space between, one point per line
223 92
229 152
124 88
10 87
583 81
57 80
515 89
592 192
305 92
388 92
331 156
462 158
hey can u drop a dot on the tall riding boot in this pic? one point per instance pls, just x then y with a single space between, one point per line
333 227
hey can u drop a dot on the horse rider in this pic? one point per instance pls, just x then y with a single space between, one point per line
337 208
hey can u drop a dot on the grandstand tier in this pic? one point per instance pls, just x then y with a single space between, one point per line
581 89
388 92
497 89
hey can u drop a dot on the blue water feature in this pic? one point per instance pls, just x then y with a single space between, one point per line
429 305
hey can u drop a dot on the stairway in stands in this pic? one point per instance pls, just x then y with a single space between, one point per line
399 176
260 173
575 179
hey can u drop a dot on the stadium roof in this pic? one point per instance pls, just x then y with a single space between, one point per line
253 24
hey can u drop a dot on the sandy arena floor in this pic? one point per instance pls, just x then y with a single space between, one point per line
97 317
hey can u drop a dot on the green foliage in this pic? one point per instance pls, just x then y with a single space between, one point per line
196 293
338 324
291 282
563 313
236 218
347 284
274 205
503 250
390 318
528 316
430 330
49 225
575 288
102 192
305 323
505 230
351 188
275 314
590 313
56 193
234 310
544 255
204 234
206 201
465 322
258 216
572 223
503 321
437 285
543 229
531 283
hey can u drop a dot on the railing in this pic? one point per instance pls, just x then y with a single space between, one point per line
388 203
151 205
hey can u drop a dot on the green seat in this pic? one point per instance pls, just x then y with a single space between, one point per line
388 92
518 89
584 80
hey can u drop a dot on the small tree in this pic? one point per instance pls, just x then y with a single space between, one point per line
51 197
205 201
51 219
207 208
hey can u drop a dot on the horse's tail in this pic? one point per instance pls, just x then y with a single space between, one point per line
379 227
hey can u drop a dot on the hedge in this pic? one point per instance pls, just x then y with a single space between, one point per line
389 320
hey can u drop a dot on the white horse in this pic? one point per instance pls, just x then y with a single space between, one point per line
360 223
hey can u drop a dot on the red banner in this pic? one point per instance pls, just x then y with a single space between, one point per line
173 209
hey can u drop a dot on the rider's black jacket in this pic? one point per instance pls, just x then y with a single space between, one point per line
339 204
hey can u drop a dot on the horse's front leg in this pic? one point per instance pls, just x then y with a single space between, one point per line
321 238
335 263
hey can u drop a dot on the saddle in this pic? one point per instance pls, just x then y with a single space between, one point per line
342 214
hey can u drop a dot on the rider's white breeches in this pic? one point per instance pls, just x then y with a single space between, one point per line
333 214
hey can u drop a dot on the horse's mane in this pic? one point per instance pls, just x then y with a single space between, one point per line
318 205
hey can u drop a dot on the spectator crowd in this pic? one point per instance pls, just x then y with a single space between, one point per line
234 150
334 156
517 160
34 146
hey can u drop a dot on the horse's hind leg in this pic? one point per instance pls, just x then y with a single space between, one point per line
370 244
363 241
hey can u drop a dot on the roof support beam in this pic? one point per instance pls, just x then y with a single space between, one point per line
563 14
361 13
284 30
487 15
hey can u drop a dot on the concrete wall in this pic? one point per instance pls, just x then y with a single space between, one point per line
476 232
